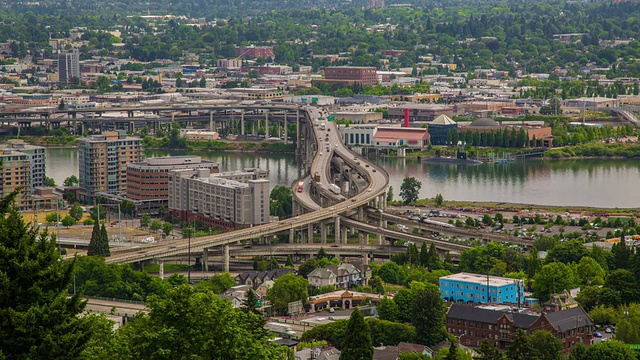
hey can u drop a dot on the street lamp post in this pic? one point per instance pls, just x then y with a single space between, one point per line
189 255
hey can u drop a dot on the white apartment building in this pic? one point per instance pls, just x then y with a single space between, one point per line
225 199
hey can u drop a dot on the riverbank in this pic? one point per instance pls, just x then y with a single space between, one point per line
493 207
264 147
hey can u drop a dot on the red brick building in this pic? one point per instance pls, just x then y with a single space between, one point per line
351 74
149 180
472 325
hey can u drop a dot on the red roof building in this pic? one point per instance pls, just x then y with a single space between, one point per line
396 137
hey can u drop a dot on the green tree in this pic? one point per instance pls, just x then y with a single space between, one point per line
357 342
127 207
390 194
37 318
322 254
49 181
553 278
546 345
71 181
94 243
286 289
68 221
428 316
519 348
156 225
51 218
439 200
198 325
306 267
222 282
289 262
609 350
145 221
281 202
488 351
104 242
410 189
76 211
250 304
177 279
167 228
389 272
453 352
388 309
590 272
624 283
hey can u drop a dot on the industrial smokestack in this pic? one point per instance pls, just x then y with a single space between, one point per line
406 118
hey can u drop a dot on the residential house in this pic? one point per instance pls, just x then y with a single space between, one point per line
264 287
318 353
257 278
393 352
561 301
320 277
347 275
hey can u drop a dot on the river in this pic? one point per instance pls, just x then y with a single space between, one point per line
606 183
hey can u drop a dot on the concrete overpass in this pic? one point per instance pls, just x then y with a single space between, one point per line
376 178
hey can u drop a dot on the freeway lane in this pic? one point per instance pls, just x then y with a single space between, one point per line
378 182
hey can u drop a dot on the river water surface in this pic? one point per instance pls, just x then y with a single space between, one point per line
606 183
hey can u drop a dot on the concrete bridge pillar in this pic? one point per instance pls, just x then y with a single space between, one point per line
336 229
310 233
298 144
343 235
279 130
286 131
266 124
226 258
205 259
253 128
161 269
402 152
291 236
323 233
242 122
211 120
360 214
132 127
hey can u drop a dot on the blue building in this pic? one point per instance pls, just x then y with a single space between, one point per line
474 288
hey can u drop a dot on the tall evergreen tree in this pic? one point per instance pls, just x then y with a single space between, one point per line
488 351
94 243
424 255
37 319
520 349
104 242
434 262
357 342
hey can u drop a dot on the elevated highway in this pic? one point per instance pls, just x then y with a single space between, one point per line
377 179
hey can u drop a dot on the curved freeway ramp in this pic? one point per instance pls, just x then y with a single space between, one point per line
376 177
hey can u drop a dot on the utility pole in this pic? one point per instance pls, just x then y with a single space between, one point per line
189 256
119 225
58 224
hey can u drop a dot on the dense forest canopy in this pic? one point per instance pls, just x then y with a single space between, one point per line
505 35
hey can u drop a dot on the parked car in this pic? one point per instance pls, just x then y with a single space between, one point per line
608 330
597 334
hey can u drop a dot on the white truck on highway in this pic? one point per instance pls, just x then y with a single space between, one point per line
334 189
280 328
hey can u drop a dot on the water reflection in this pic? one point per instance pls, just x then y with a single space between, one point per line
591 182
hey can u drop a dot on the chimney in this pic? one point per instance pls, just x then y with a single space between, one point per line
406 118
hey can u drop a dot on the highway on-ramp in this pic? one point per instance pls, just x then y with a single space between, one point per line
377 178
